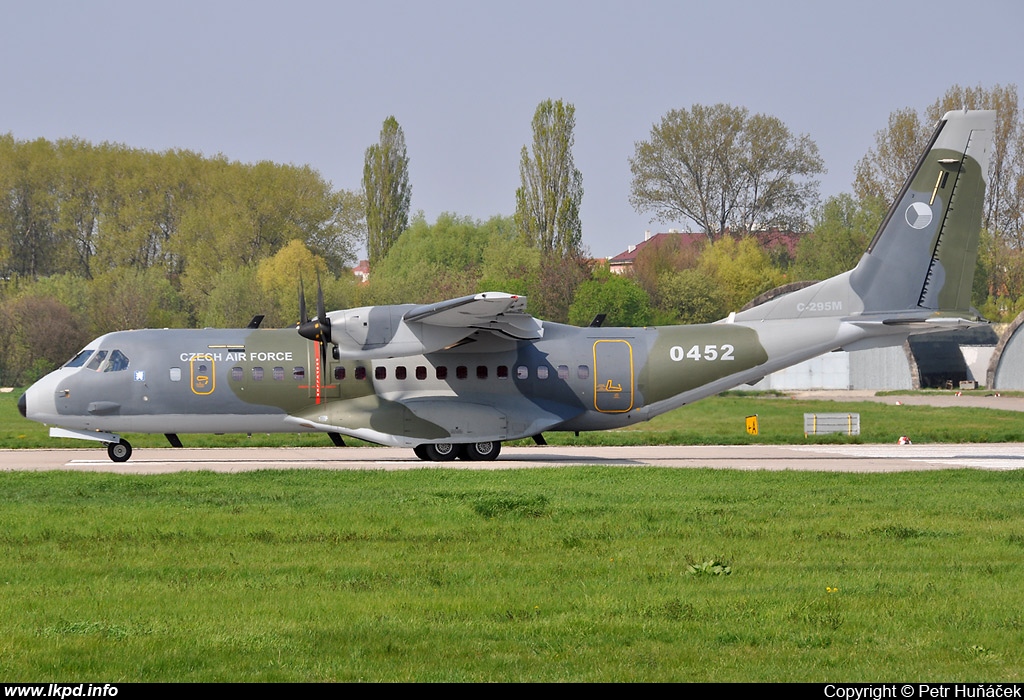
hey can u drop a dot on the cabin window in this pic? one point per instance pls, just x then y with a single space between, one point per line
522 372
421 372
360 373
502 372
380 372
79 359
278 374
339 373
542 372
257 374
442 372
400 372
461 372
563 371
583 372
236 374
481 371
299 373
176 374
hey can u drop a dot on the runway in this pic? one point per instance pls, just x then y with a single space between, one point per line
825 458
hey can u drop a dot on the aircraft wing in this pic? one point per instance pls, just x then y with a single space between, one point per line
498 312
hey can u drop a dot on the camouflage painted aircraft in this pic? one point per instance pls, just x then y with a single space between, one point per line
456 378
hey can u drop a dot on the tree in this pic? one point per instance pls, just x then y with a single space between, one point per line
740 268
623 300
840 233
883 170
690 296
387 190
723 169
431 262
548 200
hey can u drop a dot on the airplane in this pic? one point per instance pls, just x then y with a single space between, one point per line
455 379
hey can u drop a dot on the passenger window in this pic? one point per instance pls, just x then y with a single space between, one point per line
542 372
421 372
339 373
299 373
380 372
481 371
583 371
360 372
502 372
400 372
257 374
236 374
442 372
522 372
278 374
461 372
563 371
176 374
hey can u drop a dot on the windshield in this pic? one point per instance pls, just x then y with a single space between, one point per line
79 359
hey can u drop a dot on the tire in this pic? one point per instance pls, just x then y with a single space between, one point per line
421 452
482 451
119 451
441 452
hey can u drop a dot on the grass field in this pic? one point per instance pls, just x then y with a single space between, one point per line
573 574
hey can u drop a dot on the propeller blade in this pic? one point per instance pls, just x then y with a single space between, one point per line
318 328
302 303
321 312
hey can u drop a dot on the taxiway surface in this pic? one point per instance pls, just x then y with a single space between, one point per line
834 458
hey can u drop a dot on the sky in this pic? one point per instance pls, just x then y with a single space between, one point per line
310 82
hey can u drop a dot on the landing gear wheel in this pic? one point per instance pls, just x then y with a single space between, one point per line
119 451
421 452
482 451
441 452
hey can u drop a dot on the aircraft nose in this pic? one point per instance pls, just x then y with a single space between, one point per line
23 406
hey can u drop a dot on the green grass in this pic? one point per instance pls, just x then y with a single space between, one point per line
718 420
573 574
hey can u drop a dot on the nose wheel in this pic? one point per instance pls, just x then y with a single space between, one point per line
119 451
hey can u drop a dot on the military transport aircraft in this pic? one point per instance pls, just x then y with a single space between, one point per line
456 378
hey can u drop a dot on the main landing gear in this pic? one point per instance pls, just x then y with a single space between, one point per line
447 451
119 451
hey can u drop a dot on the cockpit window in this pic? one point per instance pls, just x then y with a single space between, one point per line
100 362
97 360
79 359
118 361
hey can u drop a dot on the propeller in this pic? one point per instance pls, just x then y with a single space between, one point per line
317 329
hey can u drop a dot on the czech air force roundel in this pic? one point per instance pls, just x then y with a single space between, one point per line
919 215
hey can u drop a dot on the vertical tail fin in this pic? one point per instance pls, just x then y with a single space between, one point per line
921 262
924 254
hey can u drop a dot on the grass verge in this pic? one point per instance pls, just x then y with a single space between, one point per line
573 574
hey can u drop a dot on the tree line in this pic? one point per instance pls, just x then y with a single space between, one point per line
95 238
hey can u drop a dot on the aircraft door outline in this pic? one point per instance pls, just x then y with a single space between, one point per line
613 376
202 377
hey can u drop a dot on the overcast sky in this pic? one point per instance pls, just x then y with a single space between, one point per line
310 82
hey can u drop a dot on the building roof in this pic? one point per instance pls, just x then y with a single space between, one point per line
770 238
